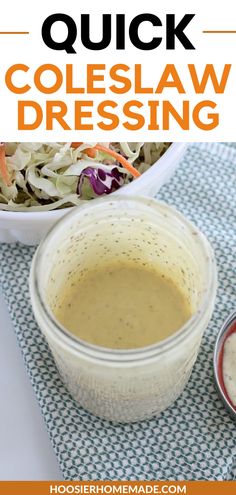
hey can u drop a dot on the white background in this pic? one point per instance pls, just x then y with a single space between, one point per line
25 449
31 50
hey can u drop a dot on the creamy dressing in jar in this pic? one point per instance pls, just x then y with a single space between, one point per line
122 306
125 384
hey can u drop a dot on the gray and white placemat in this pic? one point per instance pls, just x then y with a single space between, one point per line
193 439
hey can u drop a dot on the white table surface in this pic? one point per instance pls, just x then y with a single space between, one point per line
25 449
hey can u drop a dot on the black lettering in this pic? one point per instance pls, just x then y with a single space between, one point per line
67 44
134 27
120 32
173 31
106 32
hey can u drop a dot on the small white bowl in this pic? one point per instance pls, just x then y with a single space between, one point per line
30 227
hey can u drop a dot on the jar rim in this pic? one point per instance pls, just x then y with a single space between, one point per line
122 356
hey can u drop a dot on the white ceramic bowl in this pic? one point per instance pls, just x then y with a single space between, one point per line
30 227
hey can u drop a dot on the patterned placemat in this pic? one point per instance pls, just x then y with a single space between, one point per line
193 439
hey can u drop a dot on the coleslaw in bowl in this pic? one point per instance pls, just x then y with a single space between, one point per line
47 176
29 225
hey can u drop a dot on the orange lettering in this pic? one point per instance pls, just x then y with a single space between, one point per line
126 83
209 74
153 126
8 79
80 114
168 110
213 116
138 81
140 120
69 81
22 105
92 78
56 110
55 86
108 115
175 82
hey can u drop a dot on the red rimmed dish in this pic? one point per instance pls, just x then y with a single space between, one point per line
227 329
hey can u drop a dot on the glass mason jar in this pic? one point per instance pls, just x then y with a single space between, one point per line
133 384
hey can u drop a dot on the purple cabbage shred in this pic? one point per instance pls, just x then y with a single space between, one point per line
101 181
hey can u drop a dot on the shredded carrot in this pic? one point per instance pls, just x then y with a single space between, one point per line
91 152
3 166
75 145
120 159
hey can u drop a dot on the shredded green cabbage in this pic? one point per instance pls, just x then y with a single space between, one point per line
47 176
